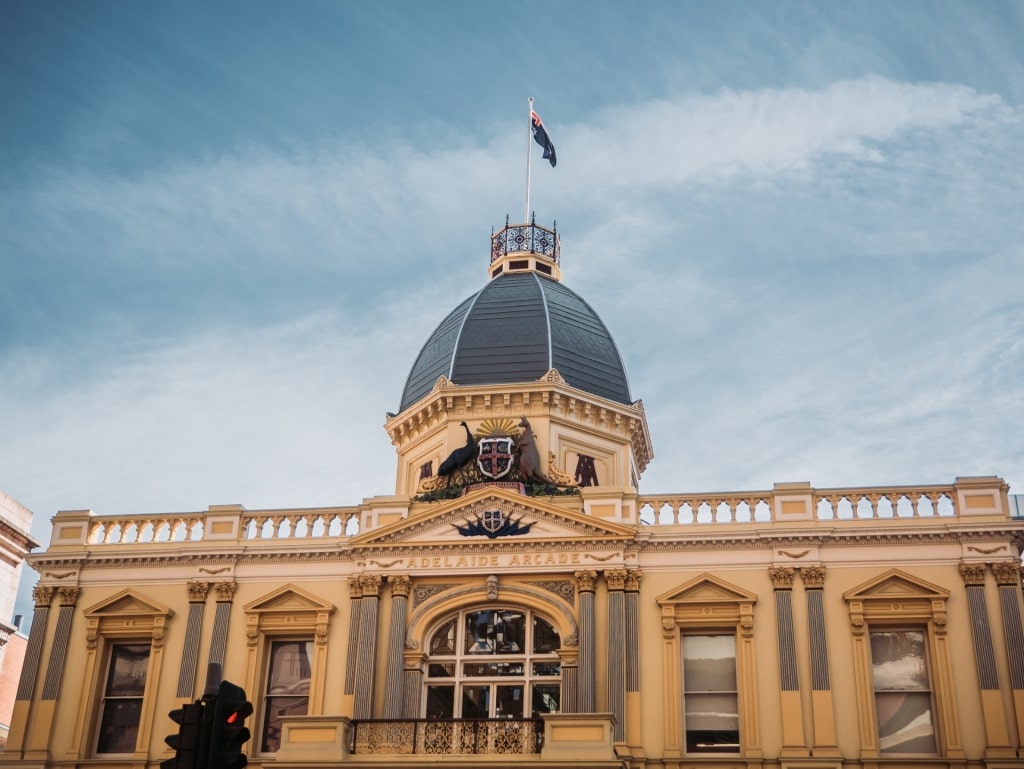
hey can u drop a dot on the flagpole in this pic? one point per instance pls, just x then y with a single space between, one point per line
529 138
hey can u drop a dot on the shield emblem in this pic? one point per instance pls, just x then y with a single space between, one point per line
494 457
492 520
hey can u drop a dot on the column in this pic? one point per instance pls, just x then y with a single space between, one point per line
43 721
219 643
366 654
587 683
58 651
634 736
616 580
823 720
355 593
1008 574
42 595
412 682
793 743
190 654
393 691
997 738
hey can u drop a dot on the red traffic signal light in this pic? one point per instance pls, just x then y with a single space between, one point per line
229 733
186 742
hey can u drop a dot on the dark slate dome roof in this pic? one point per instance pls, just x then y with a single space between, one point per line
516 329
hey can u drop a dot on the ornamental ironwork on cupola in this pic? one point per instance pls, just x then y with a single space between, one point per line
525 248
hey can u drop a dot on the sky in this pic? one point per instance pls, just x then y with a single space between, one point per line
227 228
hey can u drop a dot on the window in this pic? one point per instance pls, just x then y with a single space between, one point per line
287 690
903 669
493 663
710 687
710 697
903 698
287 633
121 705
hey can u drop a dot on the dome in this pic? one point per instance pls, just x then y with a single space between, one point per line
516 329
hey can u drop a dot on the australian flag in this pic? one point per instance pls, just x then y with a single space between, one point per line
540 135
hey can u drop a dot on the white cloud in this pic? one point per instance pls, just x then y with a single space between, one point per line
720 237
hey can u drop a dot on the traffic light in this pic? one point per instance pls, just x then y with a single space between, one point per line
186 743
229 733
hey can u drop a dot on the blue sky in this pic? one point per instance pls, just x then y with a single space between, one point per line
226 229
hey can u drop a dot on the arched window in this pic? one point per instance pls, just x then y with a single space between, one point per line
493 662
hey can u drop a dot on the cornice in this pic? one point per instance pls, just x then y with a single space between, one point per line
579 536
549 394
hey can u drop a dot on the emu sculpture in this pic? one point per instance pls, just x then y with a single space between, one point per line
460 456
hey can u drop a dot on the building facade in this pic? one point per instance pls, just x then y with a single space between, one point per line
15 542
518 601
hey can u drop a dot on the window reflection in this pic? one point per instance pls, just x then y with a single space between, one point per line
903 703
494 656
711 698
288 679
122 698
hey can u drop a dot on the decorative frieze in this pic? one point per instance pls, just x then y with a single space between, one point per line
1007 573
197 591
813 577
616 579
43 594
423 593
973 574
586 580
226 590
401 585
782 577
561 588
371 584
633 577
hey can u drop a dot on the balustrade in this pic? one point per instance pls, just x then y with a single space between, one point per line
502 736
827 505
837 506
191 527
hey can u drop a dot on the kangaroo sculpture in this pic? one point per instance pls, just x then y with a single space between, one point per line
529 457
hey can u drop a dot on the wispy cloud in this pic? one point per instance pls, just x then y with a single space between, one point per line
755 254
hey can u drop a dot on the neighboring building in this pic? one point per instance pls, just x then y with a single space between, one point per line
15 543
518 601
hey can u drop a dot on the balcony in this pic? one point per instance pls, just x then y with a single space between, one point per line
464 737
553 741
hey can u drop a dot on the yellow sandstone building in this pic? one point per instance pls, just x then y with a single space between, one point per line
518 601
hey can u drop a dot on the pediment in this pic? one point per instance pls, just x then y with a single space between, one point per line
510 517
707 588
288 598
895 584
127 602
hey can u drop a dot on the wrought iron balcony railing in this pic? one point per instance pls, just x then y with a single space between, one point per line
525 238
499 736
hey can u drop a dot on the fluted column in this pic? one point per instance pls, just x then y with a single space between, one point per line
1008 580
355 592
68 596
393 692
222 619
997 738
1008 577
22 716
793 742
633 715
587 683
616 580
823 742
366 656
193 628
